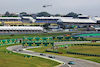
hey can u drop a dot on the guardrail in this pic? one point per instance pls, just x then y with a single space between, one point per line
66 45
88 44
83 54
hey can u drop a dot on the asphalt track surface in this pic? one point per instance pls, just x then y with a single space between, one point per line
65 60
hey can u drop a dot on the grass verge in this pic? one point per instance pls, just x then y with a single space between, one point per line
18 60
42 50
33 35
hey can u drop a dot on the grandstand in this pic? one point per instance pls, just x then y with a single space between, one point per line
96 19
76 21
20 29
28 20
47 19
97 29
69 20
81 20
10 20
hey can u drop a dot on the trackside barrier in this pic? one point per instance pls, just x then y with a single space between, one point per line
27 56
52 51
69 39
83 54
37 41
64 45
88 44
45 41
8 52
8 42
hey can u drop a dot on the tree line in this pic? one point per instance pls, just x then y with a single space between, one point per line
42 14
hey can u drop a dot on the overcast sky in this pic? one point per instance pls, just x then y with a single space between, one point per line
87 7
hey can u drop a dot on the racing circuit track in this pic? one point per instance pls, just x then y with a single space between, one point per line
61 59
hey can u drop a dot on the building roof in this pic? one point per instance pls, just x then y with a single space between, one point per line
83 16
51 17
20 28
97 28
97 18
10 17
76 20
28 17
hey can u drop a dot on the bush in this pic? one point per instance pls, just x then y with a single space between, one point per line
12 35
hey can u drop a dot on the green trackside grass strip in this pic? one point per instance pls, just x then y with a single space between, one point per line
63 50
10 59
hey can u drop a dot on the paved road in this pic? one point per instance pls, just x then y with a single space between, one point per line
71 42
78 62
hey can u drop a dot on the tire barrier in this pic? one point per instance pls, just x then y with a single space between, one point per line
8 42
83 54
8 52
37 44
69 39
45 41
28 56
38 41
52 51
66 45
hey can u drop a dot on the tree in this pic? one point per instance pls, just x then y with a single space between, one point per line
63 27
7 14
57 15
46 26
79 14
23 13
72 14
45 14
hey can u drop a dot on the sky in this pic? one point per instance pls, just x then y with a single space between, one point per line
86 7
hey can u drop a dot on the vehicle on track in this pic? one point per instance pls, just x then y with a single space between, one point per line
42 54
71 62
51 56
24 46
14 49
20 50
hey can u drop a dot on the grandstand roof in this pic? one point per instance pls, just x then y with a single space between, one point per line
28 17
98 28
10 17
69 19
20 28
97 18
76 20
51 17
82 15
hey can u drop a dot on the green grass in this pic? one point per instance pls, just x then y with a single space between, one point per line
18 60
90 34
85 49
93 38
93 43
91 58
32 35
